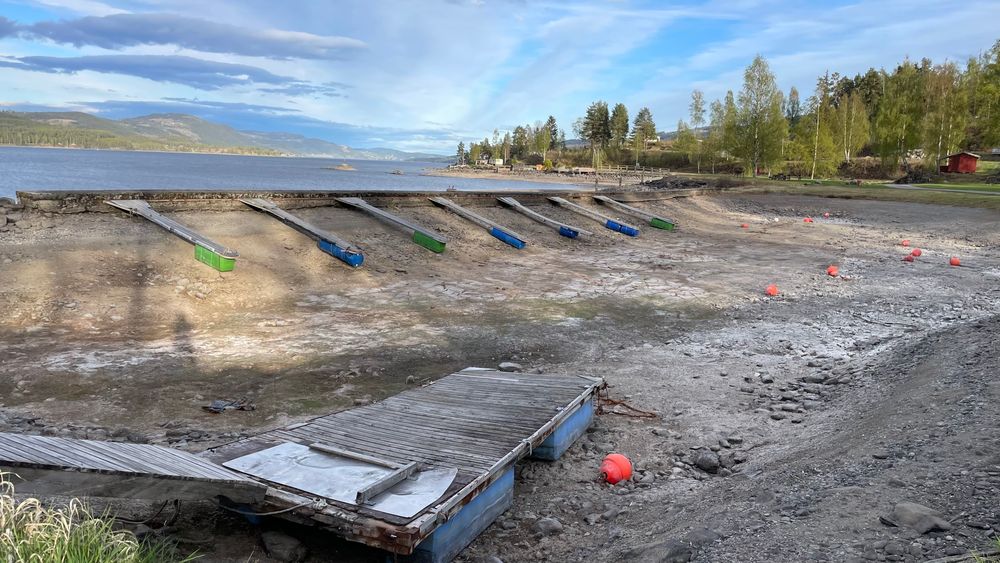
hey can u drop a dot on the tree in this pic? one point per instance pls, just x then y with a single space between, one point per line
714 146
461 153
541 139
697 120
595 128
897 122
793 108
761 127
475 151
643 130
520 142
686 141
619 125
947 111
820 109
506 147
851 128
550 124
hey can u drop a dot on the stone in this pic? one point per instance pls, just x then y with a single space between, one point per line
548 527
670 551
917 517
707 461
283 547
490 559
510 366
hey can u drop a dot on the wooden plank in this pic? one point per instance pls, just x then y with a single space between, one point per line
474 217
538 217
143 209
326 448
363 205
631 210
298 223
609 222
385 483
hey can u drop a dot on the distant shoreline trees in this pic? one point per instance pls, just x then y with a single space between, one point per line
915 110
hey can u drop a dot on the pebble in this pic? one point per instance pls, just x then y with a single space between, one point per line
548 526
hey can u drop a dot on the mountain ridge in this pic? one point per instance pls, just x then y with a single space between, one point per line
176 131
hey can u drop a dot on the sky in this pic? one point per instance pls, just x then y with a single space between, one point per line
423 75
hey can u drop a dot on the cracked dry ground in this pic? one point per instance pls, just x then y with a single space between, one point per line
786 427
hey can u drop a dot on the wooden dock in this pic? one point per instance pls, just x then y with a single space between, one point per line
420 235
654 220
608 222
568 231
327 241
476 422
498 231
67 467
206 250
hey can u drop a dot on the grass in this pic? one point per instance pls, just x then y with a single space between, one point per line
31 532
979 187
881 193
994 558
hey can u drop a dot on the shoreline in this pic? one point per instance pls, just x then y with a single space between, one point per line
541 178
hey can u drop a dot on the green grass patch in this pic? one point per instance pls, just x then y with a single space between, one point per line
978 187
30 531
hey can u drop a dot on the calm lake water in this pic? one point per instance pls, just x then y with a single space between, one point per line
27 169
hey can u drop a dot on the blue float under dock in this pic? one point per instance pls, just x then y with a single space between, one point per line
477 422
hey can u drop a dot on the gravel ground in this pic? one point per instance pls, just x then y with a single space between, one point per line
786 426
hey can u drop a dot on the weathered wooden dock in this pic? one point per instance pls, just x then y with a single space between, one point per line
477 422
206 250
654 220
327 241
44 465
420 235
568 231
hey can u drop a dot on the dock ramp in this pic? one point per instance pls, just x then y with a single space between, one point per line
424 237
654 220
563 229
422 472
206 251
498 231
608 222
325 240
47 466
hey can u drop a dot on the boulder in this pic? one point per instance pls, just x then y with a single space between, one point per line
283 547
510 366
917 517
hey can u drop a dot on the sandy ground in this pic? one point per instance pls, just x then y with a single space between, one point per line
822 408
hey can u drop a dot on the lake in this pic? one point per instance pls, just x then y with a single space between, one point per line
30 169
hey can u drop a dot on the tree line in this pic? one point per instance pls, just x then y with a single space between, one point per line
918 109
528 143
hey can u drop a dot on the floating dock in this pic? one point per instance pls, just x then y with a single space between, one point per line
464 432
617 226
563 229
654 220
45 466
325 240
498 231
424 237
206 251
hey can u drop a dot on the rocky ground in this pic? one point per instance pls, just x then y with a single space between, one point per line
787 428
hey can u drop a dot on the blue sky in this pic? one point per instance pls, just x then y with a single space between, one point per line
423 75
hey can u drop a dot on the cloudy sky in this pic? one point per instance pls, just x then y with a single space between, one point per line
423 74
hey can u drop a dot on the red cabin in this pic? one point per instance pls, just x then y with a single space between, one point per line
961 162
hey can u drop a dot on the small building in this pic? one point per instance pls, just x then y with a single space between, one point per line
961 163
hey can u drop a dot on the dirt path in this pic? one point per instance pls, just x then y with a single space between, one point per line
826 405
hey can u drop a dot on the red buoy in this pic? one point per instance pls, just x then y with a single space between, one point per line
916 252
833 271
744 226
826 215
906 242
908 258
807 220
771 290
616 468
955 261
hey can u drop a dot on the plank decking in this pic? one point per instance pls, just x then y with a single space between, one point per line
46 465
476 421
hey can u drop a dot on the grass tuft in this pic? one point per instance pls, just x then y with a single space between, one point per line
32 532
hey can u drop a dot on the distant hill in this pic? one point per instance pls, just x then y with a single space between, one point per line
172 132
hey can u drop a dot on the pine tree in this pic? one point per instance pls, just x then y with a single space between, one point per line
619 125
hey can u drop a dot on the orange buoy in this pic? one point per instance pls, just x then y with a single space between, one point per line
955 261
744 226
905 242
916 252
826 215
771 290
833 271
615 468
908 258
807 220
